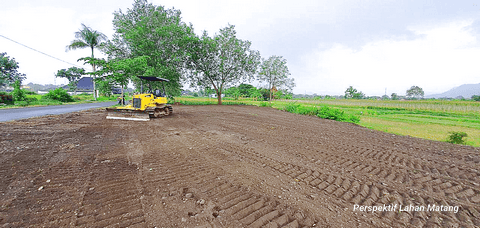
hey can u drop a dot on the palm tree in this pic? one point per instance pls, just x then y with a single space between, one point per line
87 37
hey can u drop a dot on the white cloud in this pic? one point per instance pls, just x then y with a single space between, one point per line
47 29
439 58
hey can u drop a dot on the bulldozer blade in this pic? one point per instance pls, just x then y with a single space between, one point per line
128 116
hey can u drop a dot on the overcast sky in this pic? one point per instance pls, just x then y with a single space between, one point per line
372 45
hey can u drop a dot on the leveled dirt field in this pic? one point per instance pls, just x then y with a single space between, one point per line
228 166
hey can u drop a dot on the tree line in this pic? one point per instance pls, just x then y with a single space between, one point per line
151 40
415 92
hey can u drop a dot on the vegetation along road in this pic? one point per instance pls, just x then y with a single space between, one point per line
23 113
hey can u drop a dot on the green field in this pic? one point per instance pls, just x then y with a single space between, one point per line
428 119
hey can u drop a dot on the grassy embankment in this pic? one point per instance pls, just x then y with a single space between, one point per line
428 119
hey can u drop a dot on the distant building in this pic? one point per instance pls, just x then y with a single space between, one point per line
85 85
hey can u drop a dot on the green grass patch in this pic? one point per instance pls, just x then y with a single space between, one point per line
431 131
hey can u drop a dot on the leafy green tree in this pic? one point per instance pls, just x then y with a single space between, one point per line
265 93
274 72
476 97
17 93
233 92
394 96
352 93
73 74
104 86
88 38
415 92
156 32
222 61
244 89
288 95
254 93
9 70
124 70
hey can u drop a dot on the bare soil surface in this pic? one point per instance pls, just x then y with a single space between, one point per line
227 166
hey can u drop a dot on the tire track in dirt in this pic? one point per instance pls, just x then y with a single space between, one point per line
389 167
375 153
218 200
73 188
369 194
224 166
112 197
460 189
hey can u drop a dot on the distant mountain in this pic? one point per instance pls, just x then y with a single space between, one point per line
47 87
466 91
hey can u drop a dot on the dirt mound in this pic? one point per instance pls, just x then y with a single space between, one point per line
229 166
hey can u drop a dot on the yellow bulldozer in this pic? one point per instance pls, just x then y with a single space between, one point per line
143 106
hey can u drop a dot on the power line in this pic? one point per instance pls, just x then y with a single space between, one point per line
39 51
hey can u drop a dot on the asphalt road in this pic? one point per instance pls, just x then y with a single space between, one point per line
24 113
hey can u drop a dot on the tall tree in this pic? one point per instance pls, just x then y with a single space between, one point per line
415 92
88 38
274 72
9 70
124 70
394 96
156 32
352 93
244 89
73 74
223 61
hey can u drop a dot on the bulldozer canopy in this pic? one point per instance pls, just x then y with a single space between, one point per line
154 79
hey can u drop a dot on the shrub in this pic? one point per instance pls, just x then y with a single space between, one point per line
456 137
17 93
265 104
291 107
28 92
22 103
58 94
31 99
6 99
323 112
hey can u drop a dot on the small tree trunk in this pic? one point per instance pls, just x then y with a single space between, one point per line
219 97
94 88
123 100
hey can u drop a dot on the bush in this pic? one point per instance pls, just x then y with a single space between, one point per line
17 93
265 104
31 99
323 112
6 99
22 103
456 137
28 92
58 94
